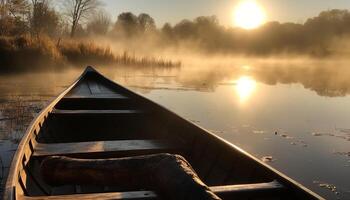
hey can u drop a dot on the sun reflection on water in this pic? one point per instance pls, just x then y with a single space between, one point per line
245 86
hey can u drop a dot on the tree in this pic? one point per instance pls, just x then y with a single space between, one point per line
12 26
99 25
128 23
16 8
43 19
146 23
78 10
13 17
329 23
167 30
185 29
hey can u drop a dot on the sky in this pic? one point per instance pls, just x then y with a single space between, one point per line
174 11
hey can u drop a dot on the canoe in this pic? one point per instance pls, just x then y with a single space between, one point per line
96 118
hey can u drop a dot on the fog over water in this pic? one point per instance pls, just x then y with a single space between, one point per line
291 113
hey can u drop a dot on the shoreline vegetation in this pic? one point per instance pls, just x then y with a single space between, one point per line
23 53
41 34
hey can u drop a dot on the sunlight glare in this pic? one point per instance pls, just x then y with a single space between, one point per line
249 15
245 86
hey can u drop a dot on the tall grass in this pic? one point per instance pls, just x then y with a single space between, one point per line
85 53
130 59
25 53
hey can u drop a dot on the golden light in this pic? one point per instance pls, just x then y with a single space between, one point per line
249 15
245 86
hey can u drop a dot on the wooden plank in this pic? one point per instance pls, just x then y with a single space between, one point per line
94 112
135 195
99 96
42 149
94 87
247 188
80 89
219 190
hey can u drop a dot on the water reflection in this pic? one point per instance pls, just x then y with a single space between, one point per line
330 79
245 86
325 78
282 103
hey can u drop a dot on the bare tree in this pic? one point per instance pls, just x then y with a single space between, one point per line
15 8
78 10
99 24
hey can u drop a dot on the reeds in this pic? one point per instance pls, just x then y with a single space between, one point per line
26 53
127 59
15 115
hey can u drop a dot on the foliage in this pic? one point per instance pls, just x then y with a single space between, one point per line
127 25
315 37
44 20
146 23
26 53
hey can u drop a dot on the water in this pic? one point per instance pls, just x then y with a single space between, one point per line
295 117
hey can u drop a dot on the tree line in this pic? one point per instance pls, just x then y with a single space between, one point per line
37 17
45 38
85 18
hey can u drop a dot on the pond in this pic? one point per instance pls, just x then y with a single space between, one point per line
293 116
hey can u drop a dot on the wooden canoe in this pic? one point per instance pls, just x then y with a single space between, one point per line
97 118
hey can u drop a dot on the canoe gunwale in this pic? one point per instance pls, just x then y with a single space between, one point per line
15 167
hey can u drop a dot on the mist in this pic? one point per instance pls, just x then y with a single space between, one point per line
44 36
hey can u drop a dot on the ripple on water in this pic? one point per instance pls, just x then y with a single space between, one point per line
338 133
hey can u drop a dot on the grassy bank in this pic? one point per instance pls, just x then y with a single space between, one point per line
25 53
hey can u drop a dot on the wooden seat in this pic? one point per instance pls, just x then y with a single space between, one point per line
95 112
232 190
251 189
127 146
97 102
99 96
135 195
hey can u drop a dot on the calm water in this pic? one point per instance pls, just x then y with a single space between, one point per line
295 117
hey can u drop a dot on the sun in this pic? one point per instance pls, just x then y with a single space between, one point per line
249 14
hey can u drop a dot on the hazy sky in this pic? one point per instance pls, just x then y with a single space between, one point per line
175 10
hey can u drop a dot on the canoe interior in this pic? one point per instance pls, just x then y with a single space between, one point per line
100 119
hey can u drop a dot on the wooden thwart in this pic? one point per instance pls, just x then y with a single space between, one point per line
42 149
94 112
99 96
246 188
134 195
137 195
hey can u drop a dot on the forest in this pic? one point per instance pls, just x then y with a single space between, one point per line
52 34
